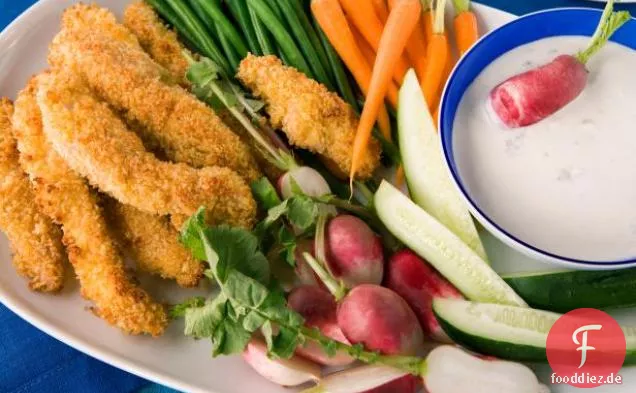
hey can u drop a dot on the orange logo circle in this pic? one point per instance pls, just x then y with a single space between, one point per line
586 348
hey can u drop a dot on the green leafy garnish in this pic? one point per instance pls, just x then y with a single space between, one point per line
179 310
265 193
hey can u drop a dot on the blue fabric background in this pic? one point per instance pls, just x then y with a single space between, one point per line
32 362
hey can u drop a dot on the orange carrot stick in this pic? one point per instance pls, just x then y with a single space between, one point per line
334 24
466 30
369 54
438 55
381 9
363 17
416 47
399 27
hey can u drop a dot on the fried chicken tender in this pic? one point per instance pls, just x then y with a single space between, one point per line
66 198
160 42
35 241
153 244
97 144
312 117
121 73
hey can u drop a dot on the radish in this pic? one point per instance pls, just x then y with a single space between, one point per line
452 370
285 372
368 379
353 251
381 320
318 308
309 180
373 315
304 272
406 384
418 283
536 94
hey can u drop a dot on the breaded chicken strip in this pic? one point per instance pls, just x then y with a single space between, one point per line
96 143
152 242
35 241
160 42
67 199
312 117
186 129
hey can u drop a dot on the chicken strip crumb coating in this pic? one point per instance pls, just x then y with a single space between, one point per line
35 241
160 42
163 45
97 144
311 116
153 244
186 129
67 199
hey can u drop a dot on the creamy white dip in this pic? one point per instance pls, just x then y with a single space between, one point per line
567 184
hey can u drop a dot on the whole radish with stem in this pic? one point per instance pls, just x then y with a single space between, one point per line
354 252
370 314
418 283
532 96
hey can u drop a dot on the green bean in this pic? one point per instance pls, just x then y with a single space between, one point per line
262 35
215 31
305 44
301 14
212 8
242 15
195 26
344 86
284 40
233 57
279 13
167 13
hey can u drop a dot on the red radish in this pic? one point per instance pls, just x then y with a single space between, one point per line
304 272
406 384
285 372
381 320
536 94
418 283
318 308
353 251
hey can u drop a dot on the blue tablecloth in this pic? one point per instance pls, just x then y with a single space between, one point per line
32 362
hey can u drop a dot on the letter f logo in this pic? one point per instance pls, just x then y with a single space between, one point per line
583 344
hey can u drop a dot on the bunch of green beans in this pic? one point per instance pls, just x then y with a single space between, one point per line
226 30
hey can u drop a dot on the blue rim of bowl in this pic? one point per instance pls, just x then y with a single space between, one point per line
452 166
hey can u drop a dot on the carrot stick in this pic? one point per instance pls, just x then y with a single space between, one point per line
381 9
466 30
416 48
399 27
363 17
334 24
438 54
369 54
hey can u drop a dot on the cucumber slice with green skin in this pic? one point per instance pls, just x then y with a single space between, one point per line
431 240
428 179
507 332
568 290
